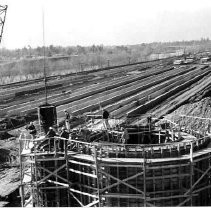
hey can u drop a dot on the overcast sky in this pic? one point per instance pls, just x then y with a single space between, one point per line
108 22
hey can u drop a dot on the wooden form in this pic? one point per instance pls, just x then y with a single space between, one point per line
111 174
38 169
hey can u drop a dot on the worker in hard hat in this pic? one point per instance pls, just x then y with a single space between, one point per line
105 117
32 131
65 135
125 136
51 134
67 120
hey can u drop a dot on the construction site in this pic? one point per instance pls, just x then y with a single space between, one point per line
108 173
153 148
164 161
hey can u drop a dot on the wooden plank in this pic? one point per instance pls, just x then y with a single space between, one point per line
97 176
53 188
58 183
169 197
82 163
203 158
92 204
83 173
83 193
144 181
72 190
118 195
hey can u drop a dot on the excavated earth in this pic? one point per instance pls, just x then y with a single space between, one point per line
189 103
9 173
200 108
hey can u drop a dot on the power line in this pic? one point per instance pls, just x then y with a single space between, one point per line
44 64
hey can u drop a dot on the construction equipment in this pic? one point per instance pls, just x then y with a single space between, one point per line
3 11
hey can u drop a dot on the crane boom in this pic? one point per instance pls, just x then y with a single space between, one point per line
3 11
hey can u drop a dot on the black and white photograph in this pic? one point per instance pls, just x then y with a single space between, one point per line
105 103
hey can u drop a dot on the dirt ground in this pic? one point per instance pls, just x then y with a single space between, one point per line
9 171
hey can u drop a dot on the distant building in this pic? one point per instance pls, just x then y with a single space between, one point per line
188 61
178 62
167 54
204 60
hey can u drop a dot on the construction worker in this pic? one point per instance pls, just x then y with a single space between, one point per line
67 120
125 136
105 117
149 120
32 130
51 134
167 135
63 143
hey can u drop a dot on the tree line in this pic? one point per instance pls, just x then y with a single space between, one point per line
144 49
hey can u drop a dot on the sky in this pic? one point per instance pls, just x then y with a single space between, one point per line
107 22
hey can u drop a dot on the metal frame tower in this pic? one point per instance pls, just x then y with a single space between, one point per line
3 11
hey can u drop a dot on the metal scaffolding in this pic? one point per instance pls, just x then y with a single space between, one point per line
86 174
3 11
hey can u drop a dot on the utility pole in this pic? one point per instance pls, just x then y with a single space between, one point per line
44 64
81 66
108 61
129 59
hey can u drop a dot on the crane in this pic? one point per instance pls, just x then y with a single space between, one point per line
3 11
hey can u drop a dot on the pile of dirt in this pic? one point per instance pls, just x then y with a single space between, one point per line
198 108
9 173
9 152
205 93
9 187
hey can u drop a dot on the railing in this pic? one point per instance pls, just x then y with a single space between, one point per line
41 144
173 149
114 148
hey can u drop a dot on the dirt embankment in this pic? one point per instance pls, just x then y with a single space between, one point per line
198 105
194 113
9 173
9 187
